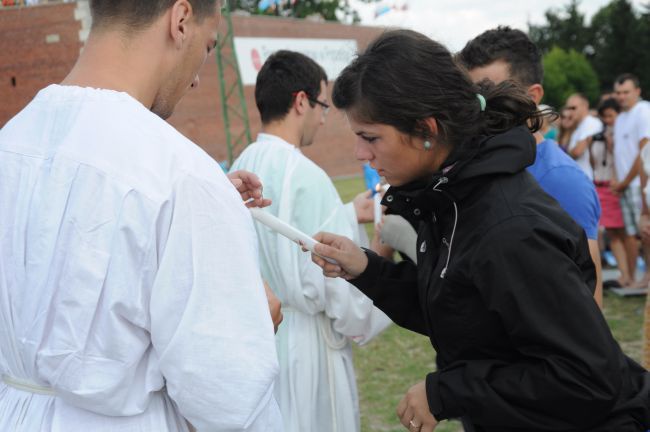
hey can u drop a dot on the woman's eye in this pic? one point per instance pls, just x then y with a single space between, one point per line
370 140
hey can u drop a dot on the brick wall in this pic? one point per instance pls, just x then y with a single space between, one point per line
29 61
38 46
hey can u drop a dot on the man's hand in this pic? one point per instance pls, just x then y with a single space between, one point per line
250 188
413 410
350 259
275 307
617 187
364 207
378 246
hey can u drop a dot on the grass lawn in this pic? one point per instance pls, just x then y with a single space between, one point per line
398 358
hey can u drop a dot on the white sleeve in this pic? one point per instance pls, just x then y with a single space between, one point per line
643 121
210 323
591 127
400 235
353 314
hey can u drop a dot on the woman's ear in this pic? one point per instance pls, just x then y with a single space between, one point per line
431 127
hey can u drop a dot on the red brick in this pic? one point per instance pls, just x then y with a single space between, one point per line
25 55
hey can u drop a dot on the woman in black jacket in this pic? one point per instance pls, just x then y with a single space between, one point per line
504 281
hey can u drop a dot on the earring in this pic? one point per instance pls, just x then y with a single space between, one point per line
427 145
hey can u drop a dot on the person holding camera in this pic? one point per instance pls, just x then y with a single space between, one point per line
601 154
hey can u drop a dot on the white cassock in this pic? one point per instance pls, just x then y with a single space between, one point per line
130 295
316 387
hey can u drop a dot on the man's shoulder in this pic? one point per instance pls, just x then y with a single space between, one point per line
110 132
555 169
593 122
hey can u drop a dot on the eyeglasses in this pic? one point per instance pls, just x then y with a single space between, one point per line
325 106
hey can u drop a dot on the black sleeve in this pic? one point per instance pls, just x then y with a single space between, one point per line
394 289
566 371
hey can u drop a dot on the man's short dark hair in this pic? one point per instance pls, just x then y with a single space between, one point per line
140 13
628 77
609 103
512 46
283 75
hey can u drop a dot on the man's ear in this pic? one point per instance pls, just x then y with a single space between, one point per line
180 15
301 102
536 93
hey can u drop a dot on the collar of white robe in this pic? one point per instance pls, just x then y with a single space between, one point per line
27 386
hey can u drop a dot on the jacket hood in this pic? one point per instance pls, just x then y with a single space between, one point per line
507 153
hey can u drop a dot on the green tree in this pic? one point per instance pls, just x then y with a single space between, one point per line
565 28
617 41
565 73
643 64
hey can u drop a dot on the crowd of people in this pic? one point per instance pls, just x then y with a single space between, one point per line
607 142
138 293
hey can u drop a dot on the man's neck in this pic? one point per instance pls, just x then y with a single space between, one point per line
284 131
632 106
107 64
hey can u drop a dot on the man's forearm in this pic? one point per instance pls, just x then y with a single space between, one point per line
580 148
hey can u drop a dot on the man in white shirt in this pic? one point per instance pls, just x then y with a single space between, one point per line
587 126
631 133
316 388
130 293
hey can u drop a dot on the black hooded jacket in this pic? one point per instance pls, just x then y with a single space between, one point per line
504 290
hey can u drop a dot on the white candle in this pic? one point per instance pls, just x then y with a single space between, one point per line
377 198
286 230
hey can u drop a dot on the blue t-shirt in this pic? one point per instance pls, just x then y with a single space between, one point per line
561 177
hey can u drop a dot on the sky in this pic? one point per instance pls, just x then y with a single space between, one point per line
454 22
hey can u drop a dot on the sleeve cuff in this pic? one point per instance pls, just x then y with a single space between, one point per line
368 278
435 397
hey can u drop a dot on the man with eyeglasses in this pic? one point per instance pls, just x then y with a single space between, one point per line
316 388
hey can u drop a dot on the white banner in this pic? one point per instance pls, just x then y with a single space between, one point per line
332 54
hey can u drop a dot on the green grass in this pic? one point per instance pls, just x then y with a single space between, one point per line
398 358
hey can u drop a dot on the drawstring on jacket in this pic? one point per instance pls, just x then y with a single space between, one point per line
444 180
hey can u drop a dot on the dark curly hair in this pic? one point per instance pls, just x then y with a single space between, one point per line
509 45
403 78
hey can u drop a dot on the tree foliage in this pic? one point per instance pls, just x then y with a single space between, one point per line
565 28
565 73
614 42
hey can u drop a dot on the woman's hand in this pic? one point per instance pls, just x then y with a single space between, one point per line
413 410
350 259
249 187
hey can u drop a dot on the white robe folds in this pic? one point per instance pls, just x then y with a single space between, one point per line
129 278
316 387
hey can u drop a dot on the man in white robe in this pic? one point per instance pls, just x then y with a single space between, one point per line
316 387
130 294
